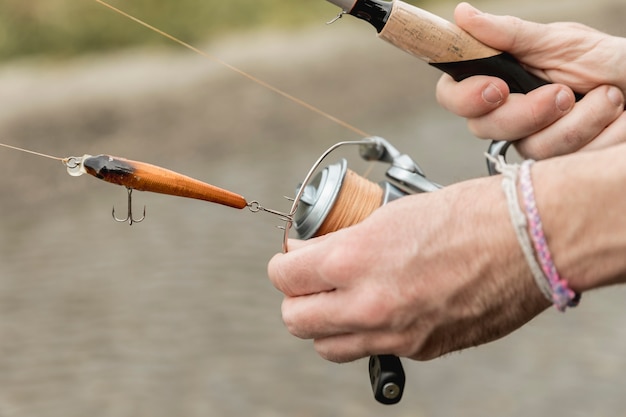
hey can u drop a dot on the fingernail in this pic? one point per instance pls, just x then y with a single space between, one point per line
564 100
616 96
492 94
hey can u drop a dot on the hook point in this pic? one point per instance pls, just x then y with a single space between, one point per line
129 217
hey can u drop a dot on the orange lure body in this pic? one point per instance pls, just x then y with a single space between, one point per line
146 177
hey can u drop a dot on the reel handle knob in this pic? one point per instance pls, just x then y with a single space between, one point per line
387 378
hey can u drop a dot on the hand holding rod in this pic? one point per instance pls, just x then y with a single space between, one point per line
442 45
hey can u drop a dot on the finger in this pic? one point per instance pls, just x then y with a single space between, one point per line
314 316
296 273
352 346
588 119
612 135
568 53
524 114
342 348
472 97
331 313
500 32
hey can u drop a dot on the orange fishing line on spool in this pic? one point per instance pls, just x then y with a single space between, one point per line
357 199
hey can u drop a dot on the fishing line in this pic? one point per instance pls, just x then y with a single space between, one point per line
33 152
357 199
239 71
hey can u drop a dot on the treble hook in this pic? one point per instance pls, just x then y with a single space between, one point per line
129 218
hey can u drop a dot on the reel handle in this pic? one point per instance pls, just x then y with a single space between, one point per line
387 378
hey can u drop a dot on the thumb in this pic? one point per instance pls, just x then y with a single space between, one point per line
505 33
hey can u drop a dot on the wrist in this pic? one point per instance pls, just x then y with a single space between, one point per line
583 216
528 229
484 277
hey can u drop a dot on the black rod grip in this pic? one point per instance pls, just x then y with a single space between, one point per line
502 65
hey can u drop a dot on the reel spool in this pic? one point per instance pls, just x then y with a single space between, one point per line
337 197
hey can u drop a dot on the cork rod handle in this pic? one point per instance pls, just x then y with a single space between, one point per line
449 48
430 37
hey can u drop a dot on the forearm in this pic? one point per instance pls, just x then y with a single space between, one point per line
582 205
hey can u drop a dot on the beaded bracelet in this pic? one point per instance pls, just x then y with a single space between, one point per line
562 295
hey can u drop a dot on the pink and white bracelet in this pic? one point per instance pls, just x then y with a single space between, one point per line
562 295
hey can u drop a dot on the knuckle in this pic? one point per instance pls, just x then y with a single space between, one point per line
277 274
335 352
289 318
342 262
515 26
376 312
535 149
476 129
574 139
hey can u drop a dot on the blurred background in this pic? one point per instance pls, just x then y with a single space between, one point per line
175 316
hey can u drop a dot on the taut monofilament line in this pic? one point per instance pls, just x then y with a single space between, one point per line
15 148
239 71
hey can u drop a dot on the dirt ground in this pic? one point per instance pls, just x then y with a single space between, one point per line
175 316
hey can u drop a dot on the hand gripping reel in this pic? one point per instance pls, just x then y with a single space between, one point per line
313 205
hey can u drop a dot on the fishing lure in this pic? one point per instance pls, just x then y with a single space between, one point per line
135 175
141 176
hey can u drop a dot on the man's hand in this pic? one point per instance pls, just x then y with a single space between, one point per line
547 121
415 279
